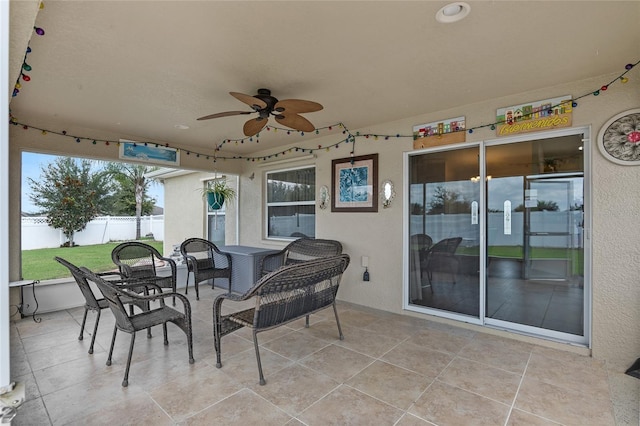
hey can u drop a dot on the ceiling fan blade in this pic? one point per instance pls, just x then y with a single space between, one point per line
252 101
296 122
225 114
254 125
297 105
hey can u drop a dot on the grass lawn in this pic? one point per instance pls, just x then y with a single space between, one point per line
515 252
39 264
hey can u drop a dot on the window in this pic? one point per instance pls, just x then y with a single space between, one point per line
291 203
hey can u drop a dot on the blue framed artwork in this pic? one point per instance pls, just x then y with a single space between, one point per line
149 153
354 182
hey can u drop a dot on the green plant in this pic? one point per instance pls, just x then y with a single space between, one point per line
217 192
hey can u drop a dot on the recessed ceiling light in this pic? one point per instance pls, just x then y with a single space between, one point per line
453 12
181 127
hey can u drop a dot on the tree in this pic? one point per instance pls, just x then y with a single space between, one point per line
131 178
69 194
122 202
447 201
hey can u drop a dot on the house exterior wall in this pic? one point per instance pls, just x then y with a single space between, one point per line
615 201
185 210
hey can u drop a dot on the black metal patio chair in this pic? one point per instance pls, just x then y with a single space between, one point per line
441 258
118 295
93 303
205 261
300 250
141 261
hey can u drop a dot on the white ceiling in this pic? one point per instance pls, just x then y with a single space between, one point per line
139 68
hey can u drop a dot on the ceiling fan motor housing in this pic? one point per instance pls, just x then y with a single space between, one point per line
265 96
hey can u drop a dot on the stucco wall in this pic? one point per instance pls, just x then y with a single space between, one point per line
185 209
615 200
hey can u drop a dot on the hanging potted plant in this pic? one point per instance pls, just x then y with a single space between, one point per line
217 192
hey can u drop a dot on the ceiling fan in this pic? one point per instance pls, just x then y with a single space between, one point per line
287 112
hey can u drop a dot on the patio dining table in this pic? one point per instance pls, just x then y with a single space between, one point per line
245 270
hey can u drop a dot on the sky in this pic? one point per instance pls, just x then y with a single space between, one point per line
32 165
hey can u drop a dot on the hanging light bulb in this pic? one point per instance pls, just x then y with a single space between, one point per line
26 66
39 31
624 79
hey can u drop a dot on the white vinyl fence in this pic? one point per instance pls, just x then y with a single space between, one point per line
37 234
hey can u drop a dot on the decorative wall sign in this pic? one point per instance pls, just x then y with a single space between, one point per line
534 116
438 133
619 138
354 184
138 151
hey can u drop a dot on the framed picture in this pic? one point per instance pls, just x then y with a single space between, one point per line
149 153
354 184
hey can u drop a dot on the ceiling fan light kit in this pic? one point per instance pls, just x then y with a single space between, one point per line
286 112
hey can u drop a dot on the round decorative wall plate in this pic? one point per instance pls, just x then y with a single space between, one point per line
619 138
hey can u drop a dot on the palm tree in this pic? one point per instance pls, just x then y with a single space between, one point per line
134 174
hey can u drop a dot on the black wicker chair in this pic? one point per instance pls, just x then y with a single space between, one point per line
206 262
140 261
91 302
419 245
299 250
441 258
282 296
118 295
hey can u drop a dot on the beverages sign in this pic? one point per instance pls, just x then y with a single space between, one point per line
534 116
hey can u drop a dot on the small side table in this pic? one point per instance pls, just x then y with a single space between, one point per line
22 284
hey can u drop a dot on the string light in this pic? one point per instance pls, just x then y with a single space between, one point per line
25 65
349 137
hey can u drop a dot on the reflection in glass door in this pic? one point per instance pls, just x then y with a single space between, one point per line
444 231
535 250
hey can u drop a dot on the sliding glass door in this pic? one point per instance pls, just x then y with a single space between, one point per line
495 234
535 245
444 231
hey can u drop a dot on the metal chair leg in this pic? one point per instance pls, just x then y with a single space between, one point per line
186 287
84 321
255 344
335 311
95 331
164 330
125 382
113 341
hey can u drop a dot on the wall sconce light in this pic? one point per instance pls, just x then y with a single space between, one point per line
324 197
387 193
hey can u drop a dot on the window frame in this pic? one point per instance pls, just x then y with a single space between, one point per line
268 204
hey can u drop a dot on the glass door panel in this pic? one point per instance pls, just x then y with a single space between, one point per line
535 251
444 231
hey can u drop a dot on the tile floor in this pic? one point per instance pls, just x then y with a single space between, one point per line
389 370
